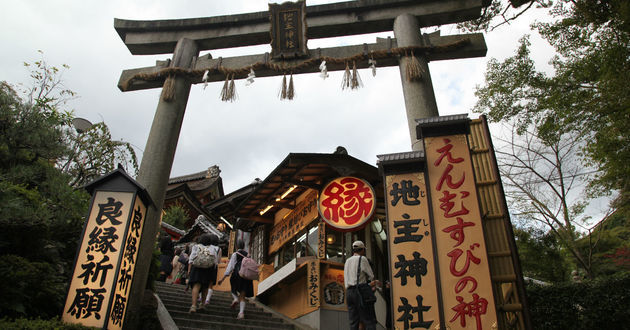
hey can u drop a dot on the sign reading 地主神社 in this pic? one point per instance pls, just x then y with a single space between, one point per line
347 203
412 264
106 258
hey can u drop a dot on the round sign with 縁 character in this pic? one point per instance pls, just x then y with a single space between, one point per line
347 203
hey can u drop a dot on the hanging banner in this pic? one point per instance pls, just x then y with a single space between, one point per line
347 203
312 283
412 266
97 265
321 240
464 271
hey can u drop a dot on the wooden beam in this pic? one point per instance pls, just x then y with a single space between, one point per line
474 47
323 21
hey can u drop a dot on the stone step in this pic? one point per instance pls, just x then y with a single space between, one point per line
217 315
249 310
186 319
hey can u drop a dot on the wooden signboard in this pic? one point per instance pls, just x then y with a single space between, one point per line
461 251
288 30
296 220
105 262
312 283
333 290
415 301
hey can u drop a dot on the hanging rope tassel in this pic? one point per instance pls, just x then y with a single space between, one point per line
291 89
228 92
345 81
168 90
413 69
224 90
283 88
356 82
232 90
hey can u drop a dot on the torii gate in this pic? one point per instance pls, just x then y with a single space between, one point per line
186 37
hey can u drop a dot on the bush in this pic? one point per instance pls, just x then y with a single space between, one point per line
30 288
39 324
599 304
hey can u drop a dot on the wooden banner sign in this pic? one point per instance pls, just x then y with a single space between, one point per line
461 251
312 283
292 223
105 262
288 30
347 203
414 289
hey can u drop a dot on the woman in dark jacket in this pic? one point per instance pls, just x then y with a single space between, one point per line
241 287
166 257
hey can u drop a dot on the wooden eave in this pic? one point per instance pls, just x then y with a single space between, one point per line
307 171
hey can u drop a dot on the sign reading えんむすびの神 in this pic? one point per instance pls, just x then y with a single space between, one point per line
464 270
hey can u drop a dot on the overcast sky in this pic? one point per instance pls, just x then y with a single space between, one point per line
251 136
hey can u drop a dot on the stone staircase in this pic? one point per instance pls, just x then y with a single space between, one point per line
218 314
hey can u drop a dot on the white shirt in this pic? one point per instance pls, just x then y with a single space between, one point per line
350 271
232 263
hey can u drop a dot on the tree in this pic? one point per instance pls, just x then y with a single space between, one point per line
542 256
541 176
585 101
41 213
588 93
176 216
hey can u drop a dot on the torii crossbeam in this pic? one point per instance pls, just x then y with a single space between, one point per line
185 38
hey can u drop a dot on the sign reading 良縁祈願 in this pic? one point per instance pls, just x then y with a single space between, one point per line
105 261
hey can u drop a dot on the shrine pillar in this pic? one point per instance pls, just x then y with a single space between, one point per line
419 97
157 161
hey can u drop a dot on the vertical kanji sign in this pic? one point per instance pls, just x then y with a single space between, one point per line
312 283
412 266
104 265
463 262
127 267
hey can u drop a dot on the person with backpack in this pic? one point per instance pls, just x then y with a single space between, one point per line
214 243
240 287
202 266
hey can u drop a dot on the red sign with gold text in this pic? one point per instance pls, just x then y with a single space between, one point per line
347 203
463 261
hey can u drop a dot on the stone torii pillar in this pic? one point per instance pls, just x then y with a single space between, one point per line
419 96
186 37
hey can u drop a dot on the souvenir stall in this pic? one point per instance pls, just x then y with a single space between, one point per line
303 219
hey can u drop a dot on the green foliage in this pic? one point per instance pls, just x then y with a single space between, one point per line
587 94
600 304
39 324
176 216
41 214
541 255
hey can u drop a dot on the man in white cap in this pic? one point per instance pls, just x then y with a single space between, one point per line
357 310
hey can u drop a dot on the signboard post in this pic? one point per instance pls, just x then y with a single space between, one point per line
105 262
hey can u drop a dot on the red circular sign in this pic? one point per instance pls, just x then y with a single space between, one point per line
347 203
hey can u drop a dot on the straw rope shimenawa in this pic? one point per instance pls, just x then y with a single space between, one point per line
413 70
